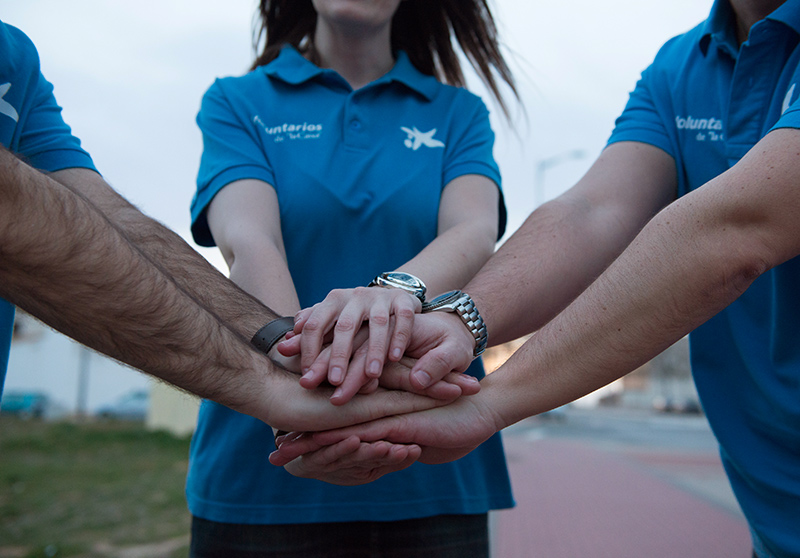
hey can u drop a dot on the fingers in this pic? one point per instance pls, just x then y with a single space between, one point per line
453 385
436 364
442 344
356 378
389 314
290 346
380 323
351 462
469 384
404 314
293 445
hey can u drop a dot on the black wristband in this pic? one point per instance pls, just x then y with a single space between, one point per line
266 337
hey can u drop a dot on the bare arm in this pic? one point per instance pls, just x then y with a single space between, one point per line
564 245
693 259
467 231
559 250
65 262
190 271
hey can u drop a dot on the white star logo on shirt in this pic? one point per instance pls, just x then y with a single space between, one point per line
787 100
417 139
5 106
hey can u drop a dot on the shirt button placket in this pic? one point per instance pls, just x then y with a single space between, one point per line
354 126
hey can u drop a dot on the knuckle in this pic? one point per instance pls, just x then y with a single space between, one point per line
405 313
379 319
345 325
440 362
313 325
339 354
337 295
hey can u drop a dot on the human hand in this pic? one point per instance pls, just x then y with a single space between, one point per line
282 403
395 376
351 462
442 344
389 314
444 434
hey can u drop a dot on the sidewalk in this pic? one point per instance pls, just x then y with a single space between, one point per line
586 498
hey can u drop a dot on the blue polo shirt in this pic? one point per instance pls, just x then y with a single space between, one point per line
359 176
30 126
706 101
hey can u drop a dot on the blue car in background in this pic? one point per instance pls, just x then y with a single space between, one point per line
132 406
25 404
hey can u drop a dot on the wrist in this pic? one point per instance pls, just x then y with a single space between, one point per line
403 281
269 335
461 305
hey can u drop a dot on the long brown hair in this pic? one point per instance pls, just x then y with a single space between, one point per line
424 29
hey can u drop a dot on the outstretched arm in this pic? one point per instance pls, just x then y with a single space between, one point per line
559 250
64 261
467 231
189 271
693 259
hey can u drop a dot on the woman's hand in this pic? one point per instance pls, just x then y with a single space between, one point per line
394 376
388 315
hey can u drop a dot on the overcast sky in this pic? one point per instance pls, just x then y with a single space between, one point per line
130 76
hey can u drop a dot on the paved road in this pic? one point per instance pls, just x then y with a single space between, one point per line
618 484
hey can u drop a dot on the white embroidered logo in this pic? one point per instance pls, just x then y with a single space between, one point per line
417 139
708 129
787 100
286 131
5 106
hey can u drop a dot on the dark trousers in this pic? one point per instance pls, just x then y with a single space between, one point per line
442 536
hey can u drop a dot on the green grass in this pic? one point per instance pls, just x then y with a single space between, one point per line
90 490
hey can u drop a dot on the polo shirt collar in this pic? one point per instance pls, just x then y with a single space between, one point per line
291 67
788 14
719 26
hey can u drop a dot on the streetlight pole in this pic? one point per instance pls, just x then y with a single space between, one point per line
543 165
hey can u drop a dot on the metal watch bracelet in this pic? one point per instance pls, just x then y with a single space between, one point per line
462 305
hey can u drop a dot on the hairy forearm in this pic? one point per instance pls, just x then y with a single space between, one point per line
63 261
566 243
679 271
191 272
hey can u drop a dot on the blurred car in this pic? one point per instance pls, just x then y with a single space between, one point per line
132 406
25 404
559 414
687 405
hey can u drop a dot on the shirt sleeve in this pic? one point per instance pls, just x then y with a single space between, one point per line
790 117
470 152
41 136
642 121
231 151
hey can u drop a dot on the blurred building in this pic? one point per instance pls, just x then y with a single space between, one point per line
76 379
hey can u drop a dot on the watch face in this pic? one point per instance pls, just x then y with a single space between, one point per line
400 280
403 279
441 300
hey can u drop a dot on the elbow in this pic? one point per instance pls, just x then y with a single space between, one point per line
743 273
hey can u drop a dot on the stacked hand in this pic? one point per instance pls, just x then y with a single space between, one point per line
362 354
349 337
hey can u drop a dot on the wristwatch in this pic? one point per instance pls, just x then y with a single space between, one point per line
462 305
401 280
